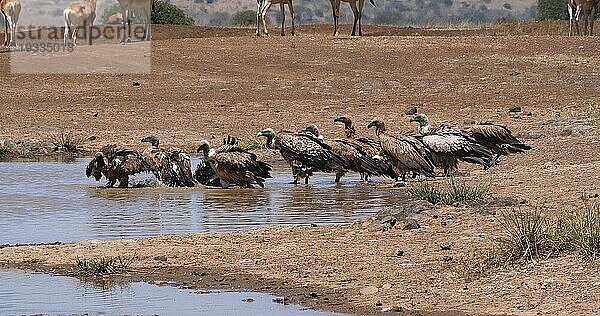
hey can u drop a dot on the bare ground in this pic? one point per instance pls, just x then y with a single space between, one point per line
208 86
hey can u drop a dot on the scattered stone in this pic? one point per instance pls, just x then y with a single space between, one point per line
386 286
399 253
411 110
95 114
447 258
282 300
248 300
489 206
161 258
399 184
313 225
378 303
470 122
313 295
417 207
369 290
515 73
394 309
136 84
515 109
446 247
575 130
410 223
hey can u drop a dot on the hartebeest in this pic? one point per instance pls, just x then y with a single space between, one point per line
10 10
335 6
146 8
79 14
262 9
588 8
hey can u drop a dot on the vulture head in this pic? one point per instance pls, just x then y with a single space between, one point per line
313 129
203 147
96 166
346 121
152 140
378 124
422 119
350 131
269 133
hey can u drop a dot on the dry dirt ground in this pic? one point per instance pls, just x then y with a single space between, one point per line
226 81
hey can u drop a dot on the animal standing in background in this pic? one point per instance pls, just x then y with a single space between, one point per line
576 8
262 10
205 174
234 165
448 145
145 6
335 6
77 15
371 148
172 167
10 10
303 150
116 163
407 154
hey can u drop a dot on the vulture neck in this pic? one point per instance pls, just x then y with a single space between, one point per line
270 139
424 128
380 129
205 152
350 131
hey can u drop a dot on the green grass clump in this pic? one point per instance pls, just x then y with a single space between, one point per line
530 235
104 265
453 192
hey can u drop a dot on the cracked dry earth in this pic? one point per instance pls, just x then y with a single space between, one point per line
209 86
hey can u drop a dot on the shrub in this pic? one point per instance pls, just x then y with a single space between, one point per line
67 142
162 13
167 13
104 265
5 151
581 232
243 18
453 193
552 10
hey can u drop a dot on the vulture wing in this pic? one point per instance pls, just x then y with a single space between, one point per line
310 152
407 151
455 144
498 138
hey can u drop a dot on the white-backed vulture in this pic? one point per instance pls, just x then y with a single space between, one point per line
234 165
304 152
449 145
116 163
371 149
172 167
498 138
205 174
354 157
407 154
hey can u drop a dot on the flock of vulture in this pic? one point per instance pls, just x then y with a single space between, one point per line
306 151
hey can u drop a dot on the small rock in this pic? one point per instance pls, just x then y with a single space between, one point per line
446 247
313 295
248 300
136 84
515 109
95 114
386 286
410 223
369 290
160 258
470 122
313 225
378 303
412 110
399 253
447 258
399 184
282 300
395 309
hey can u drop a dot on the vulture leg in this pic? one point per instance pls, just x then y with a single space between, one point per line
306 180
124 182
224 184
339 175
110 183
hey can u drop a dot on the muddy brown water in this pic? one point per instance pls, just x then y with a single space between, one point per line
54 201
28 293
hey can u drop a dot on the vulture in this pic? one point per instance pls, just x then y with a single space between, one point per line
234 165
448 145
406 153
172 167
304 152
354 157
116 163
371 149
498 138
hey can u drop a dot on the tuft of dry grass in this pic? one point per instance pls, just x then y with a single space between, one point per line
453 192
67 142
104 265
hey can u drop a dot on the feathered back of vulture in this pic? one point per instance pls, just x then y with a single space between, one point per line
497 137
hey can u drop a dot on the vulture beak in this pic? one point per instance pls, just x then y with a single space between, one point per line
373 123
413 119
259 134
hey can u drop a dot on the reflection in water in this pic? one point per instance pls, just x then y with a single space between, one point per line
25 293
53 201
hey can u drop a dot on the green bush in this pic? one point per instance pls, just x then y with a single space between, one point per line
162 13
243 18
552 10
454 192
167 13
